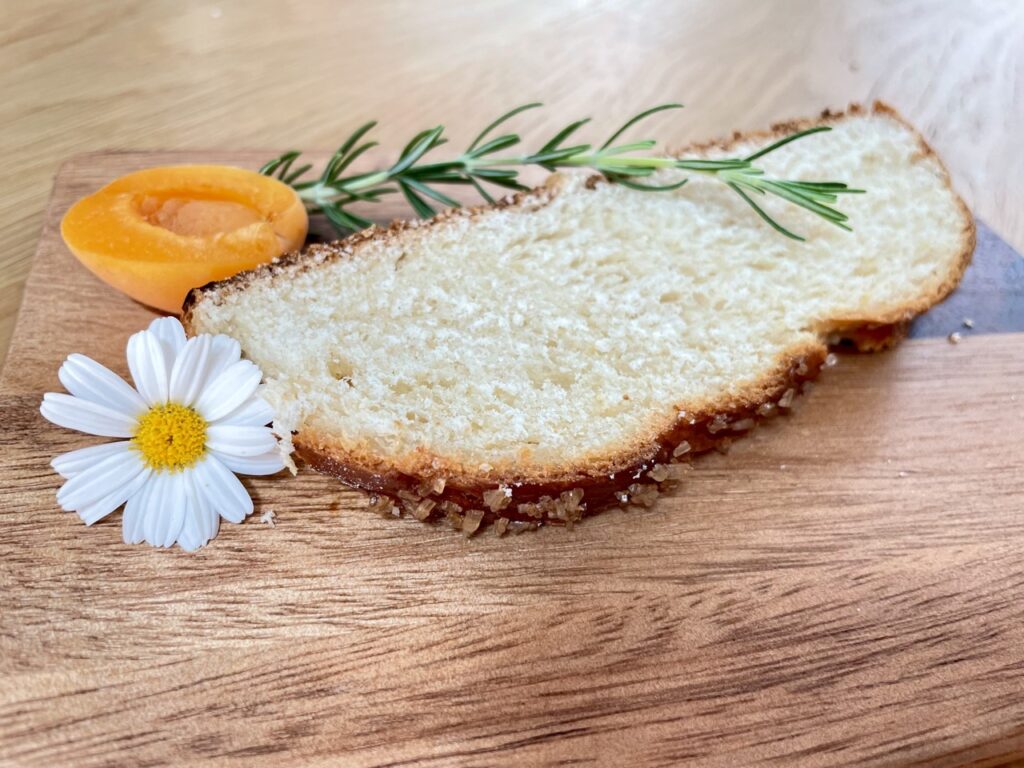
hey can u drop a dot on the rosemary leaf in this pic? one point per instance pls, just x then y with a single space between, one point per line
480 164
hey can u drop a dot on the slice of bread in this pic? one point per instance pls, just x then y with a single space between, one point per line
555 350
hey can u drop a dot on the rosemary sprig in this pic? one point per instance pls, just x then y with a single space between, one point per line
483 163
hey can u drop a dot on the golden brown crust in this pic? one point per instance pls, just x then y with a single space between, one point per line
695 432
430 486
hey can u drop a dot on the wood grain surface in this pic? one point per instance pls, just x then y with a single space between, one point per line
842 588
188 74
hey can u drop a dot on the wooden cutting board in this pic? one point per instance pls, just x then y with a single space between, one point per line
845 587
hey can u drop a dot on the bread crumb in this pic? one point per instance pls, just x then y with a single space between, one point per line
422 510
410 501
678 471
455 519
501 526
471 521
643 494
683 447
786 401
573 498
530 510
658 473
718 424
267 518
968 323
901 474
831 360
497 499
954 337
450 508
284 444
382 505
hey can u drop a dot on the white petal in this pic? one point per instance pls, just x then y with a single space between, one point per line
264 464
85 378
150 500
190 538
71 463
85 416
147 361
209 520
165 514
224 351
189 372
254 412
228 390
134 516
224 492
171 335
98 481
118 496
240 441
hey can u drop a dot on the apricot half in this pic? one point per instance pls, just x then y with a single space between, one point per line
158 233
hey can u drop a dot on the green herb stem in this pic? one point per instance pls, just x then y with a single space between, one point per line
481 166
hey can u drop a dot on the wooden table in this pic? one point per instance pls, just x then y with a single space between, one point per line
198 75
776 629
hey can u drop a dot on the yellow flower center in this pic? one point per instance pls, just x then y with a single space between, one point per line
171 437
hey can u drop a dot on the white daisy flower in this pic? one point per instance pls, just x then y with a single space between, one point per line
193 419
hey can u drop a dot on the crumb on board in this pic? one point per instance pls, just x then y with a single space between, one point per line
267 518
954 337
683 447
968 323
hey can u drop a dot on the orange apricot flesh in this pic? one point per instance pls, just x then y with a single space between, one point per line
158 233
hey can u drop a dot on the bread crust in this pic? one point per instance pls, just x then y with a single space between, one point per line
614 478
468 495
